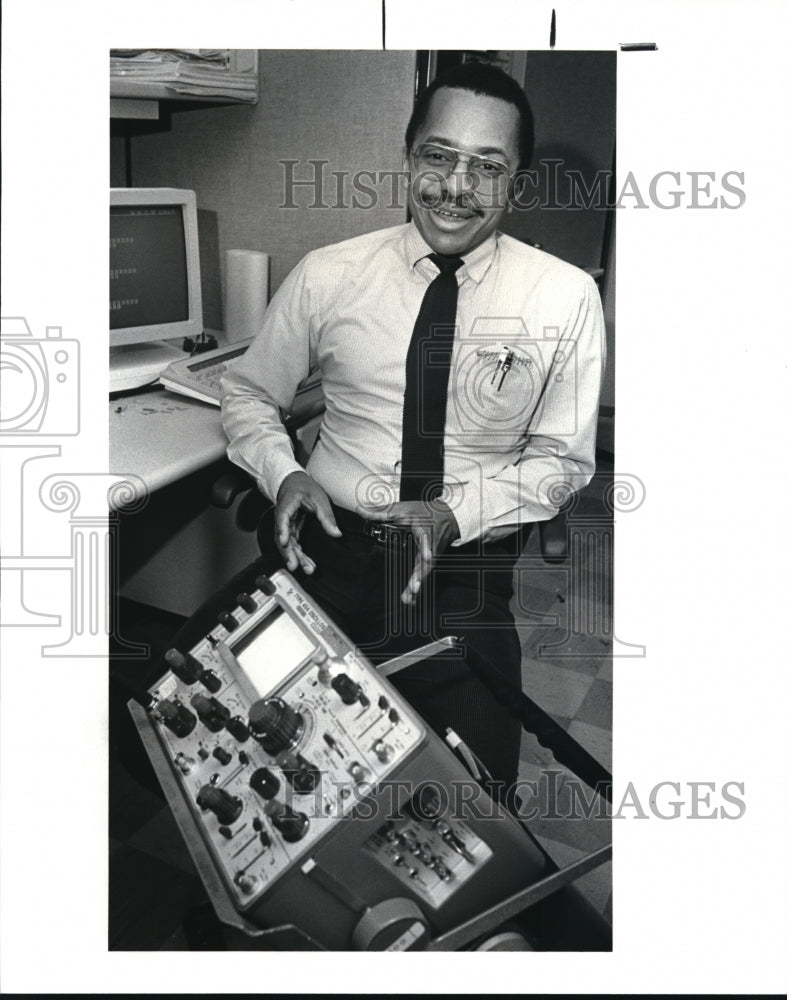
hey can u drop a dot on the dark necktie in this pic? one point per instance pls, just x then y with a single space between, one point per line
426 390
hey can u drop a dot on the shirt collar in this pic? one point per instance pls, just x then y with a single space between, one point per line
476 262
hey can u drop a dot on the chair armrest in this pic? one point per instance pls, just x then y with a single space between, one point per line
237 483
230 485
554 538
301 424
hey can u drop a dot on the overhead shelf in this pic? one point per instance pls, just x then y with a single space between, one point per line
228 76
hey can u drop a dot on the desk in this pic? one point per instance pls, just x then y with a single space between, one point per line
176 550
162 437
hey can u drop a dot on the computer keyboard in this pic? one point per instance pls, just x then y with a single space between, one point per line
200 376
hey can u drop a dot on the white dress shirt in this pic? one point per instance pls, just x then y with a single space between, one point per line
511 439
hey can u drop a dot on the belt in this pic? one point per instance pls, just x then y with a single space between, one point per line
394 536
381 533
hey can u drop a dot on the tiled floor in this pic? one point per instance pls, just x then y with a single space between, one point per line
156 898
564 617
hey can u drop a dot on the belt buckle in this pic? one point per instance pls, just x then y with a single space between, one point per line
383 533
379 533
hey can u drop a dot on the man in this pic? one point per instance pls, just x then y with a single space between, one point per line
461 372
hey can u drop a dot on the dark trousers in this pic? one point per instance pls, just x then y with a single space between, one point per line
358 583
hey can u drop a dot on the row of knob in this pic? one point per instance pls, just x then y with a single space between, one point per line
210 711
277 727
188 668
247 603
300 773
227 808
273 722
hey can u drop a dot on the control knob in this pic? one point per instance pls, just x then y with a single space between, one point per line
275 725
184 666
303 776
229 621
246 883
184 763
189 669
238 728
247 602
383 750
225 807
265 783
358 772
211 681
211 712
347 689
177 718
290 824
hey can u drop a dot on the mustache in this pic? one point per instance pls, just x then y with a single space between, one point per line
441 199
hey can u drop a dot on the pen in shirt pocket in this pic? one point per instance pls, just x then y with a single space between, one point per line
503 352
505 368
507 358
500 359
511 357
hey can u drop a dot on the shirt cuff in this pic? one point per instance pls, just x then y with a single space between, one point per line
464 499
276 471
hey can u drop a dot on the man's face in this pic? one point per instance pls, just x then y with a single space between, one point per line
454 214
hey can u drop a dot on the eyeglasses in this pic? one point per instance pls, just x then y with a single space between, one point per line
442 161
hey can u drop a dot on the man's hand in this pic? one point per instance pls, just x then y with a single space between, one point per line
297 494
433 527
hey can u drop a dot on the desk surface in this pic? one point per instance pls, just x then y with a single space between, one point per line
161 437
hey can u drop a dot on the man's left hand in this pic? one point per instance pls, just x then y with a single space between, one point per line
433 527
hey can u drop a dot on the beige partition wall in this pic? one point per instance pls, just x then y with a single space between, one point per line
345 109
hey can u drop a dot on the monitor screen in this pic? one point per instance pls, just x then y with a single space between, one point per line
148 277
154 272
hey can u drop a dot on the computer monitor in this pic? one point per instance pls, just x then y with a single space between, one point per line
154 281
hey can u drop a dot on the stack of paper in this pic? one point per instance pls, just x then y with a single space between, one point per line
207 73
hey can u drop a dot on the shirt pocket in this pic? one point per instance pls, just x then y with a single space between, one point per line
495 390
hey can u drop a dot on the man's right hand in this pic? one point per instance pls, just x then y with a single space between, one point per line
299 493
